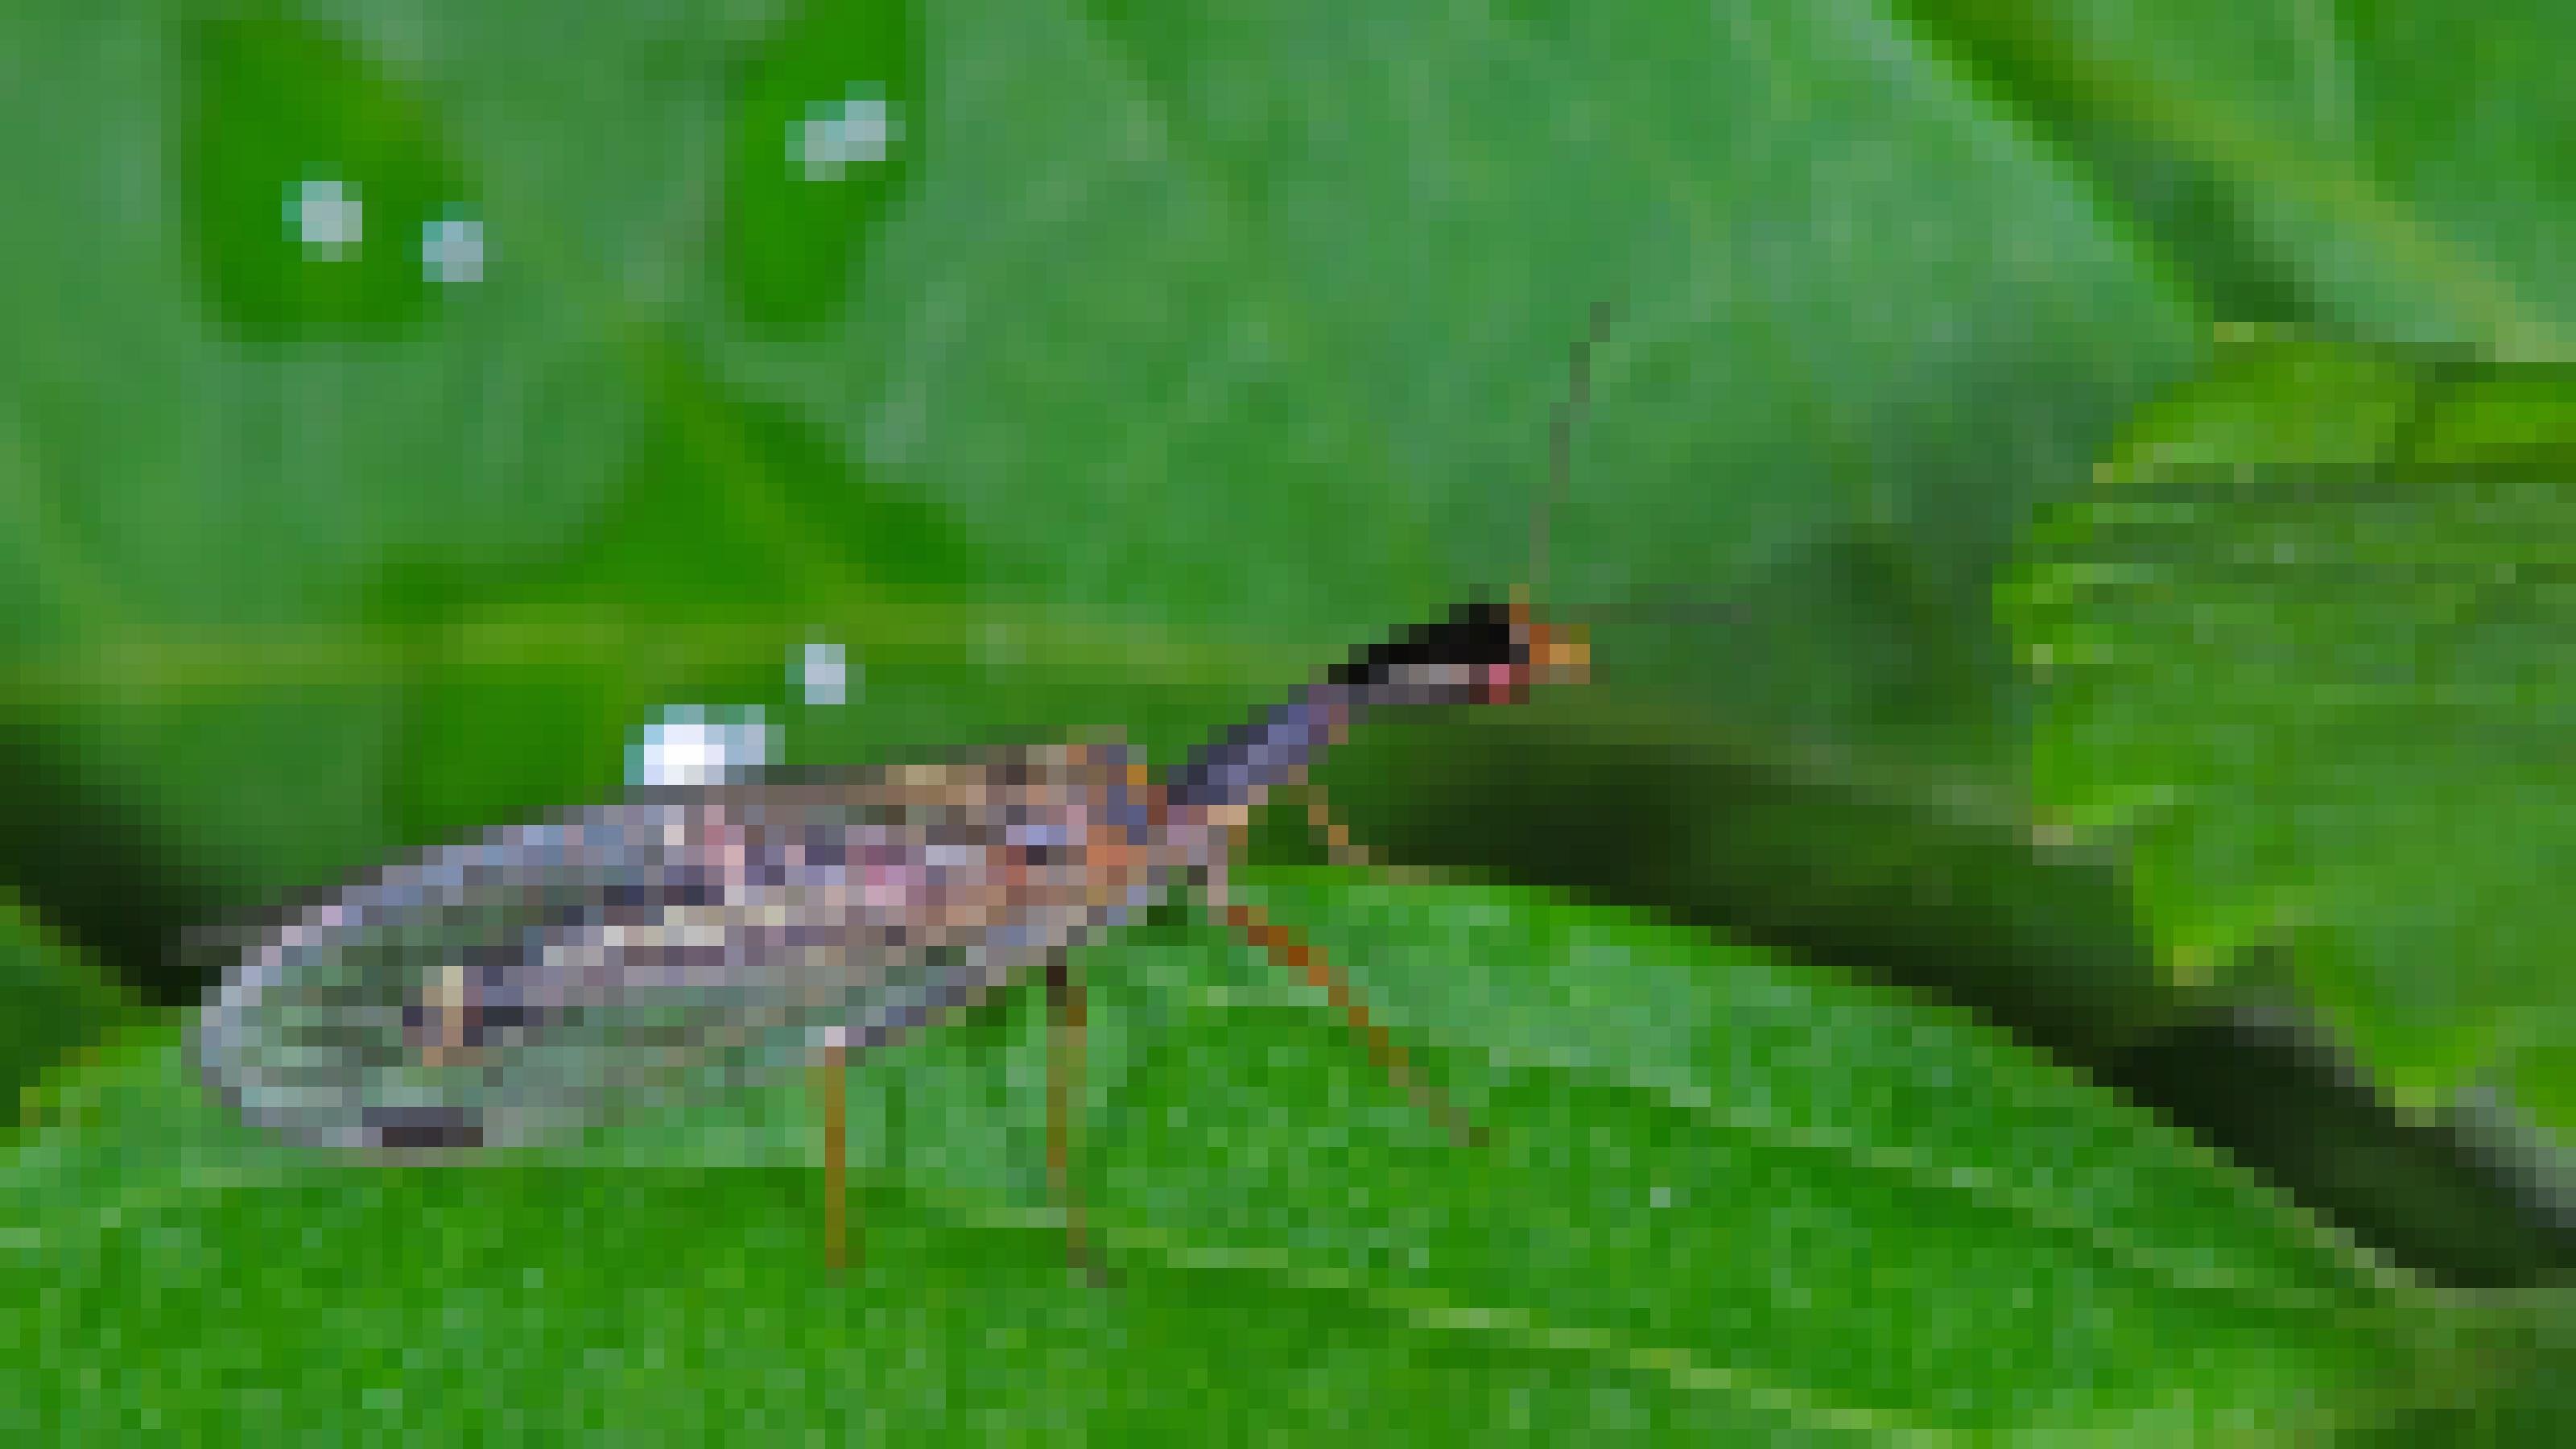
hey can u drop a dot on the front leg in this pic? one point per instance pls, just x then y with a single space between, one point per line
1283 946
1066 1013
832 1084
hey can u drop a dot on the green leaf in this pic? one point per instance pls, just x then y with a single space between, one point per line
1333 267
2368 178
2497 1374
1185 354
316 194
2313 676
821 135
1721 1197
1192 381
57 1002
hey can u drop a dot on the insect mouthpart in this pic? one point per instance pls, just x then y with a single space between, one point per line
1555 654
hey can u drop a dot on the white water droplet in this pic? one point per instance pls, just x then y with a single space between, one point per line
857 128
327 217
451 249
687 747
823 673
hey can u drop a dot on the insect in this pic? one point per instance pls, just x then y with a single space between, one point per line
500 991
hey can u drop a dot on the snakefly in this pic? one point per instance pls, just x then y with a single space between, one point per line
490 993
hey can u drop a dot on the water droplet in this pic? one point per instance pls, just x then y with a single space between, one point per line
856 128
451 249
824 674
687 747
327 217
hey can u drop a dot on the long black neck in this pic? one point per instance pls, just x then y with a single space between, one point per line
1271 749
1276 746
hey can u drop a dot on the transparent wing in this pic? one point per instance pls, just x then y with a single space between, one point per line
498 991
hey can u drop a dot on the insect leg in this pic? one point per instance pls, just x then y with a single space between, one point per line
831 1080
1282 945
1341 850
1064 1091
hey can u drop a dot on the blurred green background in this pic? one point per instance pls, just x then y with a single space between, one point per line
2042 925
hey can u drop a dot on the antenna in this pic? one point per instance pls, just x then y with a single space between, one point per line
1560 450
